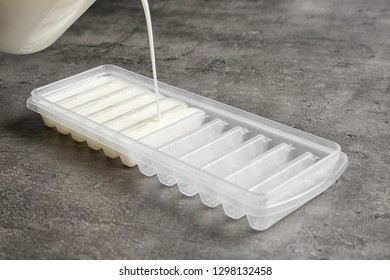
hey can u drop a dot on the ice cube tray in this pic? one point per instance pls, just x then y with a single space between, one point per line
254 167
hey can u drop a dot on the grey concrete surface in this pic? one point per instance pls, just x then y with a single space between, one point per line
322 66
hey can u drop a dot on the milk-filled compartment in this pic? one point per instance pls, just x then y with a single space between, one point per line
120 106
249 165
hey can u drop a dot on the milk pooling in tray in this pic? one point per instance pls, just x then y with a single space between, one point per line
120 106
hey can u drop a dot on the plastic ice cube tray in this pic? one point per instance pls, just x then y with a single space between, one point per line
250 165
28 26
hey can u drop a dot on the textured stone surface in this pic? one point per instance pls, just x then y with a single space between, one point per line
320 66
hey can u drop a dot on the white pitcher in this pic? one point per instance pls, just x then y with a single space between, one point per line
28 26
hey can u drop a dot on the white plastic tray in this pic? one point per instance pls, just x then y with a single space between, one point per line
249 164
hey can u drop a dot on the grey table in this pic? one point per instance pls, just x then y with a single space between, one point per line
320 66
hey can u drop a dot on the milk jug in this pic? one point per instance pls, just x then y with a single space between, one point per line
28 26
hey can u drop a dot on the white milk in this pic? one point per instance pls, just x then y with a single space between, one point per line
145 5
122 106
